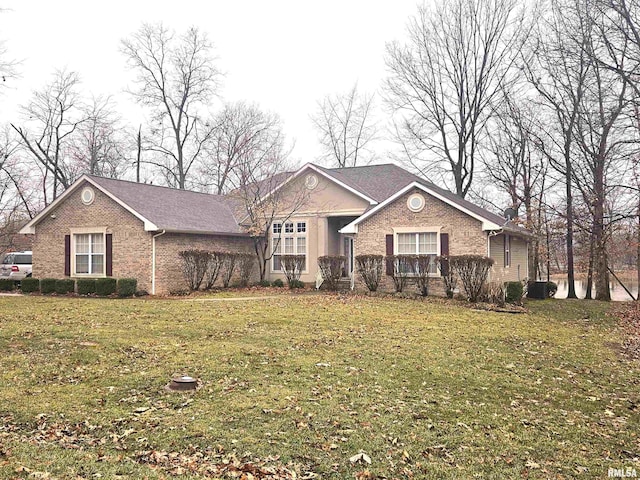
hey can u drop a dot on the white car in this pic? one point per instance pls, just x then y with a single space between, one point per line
16 265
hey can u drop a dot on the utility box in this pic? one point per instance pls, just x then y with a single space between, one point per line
537 290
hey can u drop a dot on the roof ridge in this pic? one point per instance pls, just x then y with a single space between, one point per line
157 186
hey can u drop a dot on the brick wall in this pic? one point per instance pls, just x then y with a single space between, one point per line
465 232
169 276
131 244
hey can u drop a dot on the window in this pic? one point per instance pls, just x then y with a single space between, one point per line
425 243
415 202
507 250
89 254
292 240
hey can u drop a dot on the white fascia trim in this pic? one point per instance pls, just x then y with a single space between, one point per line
30 228
352 227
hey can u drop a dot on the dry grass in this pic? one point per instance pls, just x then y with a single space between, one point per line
304 383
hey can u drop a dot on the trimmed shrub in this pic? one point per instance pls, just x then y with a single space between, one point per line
514 291
7 285
65 285
331 268
449 278
370 269
127 287
194 265
229 260
292 266
105 286
552 289
264 283
400 266
86 286
296 284
278 283
48 285
246 263
214 264
30 285
422 267
473 271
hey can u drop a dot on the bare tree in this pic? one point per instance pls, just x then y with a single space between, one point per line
558 70
619 30
176 78
51 118
444 81
241 132
516 167
7 65
260 173
97 146
346 129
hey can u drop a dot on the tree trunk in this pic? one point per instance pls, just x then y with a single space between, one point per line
571 279
603 291
589 288
638 253
139 156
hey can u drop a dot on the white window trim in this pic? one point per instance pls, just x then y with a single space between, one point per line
294 235
506 248
83 231
416 230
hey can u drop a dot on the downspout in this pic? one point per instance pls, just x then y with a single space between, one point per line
153 261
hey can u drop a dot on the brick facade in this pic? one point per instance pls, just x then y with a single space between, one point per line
131 244
465 232
169 276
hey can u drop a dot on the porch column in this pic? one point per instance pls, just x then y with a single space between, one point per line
323 236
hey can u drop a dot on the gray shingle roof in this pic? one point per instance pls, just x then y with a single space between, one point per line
176 210
382 181
181 210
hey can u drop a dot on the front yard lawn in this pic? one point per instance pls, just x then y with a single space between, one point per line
305 383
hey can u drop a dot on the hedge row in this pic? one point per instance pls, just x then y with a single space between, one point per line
124 287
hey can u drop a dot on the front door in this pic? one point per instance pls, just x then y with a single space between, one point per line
348 252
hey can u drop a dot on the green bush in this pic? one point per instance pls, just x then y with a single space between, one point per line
552 289
293 283
48 285
514 292
7 285
105 286
86 286
127 287
30 285
278 283
65 285
265 283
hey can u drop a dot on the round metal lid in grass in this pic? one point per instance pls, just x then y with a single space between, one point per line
182 383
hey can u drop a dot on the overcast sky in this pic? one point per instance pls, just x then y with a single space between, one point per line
284 55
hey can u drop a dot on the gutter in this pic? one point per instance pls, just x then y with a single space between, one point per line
153 261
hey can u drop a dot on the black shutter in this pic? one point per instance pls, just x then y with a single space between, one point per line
389 251
108 254
67 255
444 252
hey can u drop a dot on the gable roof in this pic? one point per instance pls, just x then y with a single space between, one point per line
173 210
387 182
161 208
